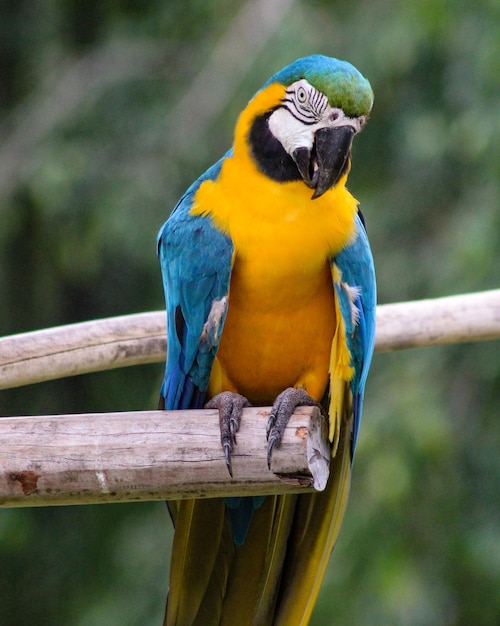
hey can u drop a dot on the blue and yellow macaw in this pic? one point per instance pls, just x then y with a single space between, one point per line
270 292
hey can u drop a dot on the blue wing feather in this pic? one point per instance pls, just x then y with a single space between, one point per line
356 265
195 260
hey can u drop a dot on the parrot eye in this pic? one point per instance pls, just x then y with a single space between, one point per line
301 95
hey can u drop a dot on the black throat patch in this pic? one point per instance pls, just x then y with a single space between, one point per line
270 156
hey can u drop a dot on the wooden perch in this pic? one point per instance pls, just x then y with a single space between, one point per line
454 319
138 339
154 455
95 346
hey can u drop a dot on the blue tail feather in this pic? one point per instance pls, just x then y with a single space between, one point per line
240 511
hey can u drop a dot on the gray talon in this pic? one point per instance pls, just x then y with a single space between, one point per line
283 408
230 406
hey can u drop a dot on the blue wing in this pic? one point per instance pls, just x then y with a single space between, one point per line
358 287
195 261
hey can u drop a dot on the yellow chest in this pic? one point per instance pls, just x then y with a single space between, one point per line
281 317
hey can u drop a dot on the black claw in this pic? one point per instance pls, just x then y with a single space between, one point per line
227 455
283 408
270 423
270 447
230 406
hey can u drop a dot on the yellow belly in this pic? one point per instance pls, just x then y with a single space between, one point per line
278 334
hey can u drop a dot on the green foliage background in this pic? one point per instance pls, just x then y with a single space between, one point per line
108 111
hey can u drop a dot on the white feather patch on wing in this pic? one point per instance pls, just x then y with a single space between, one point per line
353 293
210 335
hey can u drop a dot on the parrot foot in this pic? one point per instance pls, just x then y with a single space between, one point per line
230 406
283 407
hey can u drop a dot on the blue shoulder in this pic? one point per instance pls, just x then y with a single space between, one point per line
195 260
358 283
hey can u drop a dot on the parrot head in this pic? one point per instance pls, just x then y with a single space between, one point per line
307 135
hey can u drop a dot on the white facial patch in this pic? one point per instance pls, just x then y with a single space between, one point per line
289 131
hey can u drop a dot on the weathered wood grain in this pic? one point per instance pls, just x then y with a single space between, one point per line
154 455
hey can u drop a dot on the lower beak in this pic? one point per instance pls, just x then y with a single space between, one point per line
322 167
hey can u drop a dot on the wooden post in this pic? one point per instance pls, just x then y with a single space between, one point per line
154 455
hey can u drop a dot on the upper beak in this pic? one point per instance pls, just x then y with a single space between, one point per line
322 167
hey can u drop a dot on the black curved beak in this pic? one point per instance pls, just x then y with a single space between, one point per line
322 167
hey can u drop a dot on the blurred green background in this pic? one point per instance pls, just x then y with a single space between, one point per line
108 111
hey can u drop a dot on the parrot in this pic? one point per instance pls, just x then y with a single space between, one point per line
270 296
